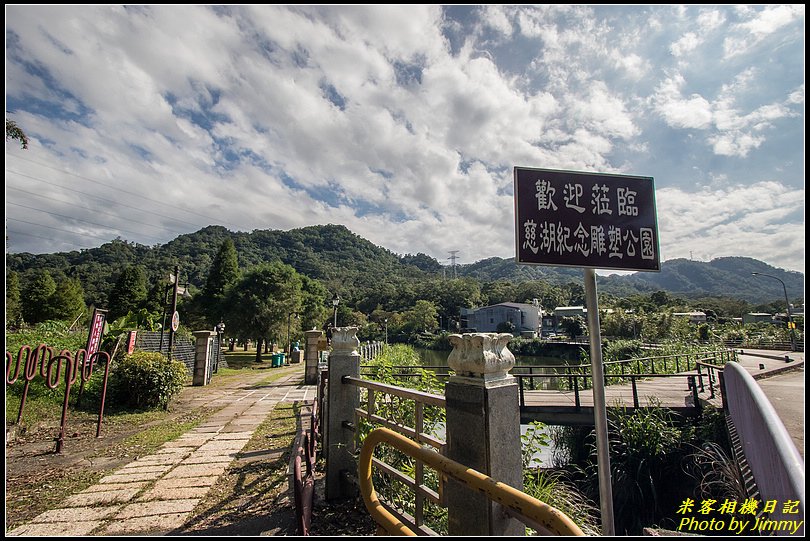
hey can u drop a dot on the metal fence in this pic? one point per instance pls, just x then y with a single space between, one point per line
182 350
391 406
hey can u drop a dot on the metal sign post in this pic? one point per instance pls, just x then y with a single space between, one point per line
592 221
599 406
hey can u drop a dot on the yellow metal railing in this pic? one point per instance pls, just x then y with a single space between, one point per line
544 518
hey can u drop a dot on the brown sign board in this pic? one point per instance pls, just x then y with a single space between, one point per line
589 220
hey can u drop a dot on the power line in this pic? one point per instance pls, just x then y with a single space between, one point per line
95 211
121 190
44 238
80 220
103 199
57 229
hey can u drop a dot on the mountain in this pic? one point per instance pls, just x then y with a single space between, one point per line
343 261
725 276
351 265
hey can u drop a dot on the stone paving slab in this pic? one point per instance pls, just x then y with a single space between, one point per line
174 493
234 436
144 509
209 458
124 477
180 482
197 470
173 451
64 528
107 487
162 458
187 442
150 524
78 514
135 467
84 499
221 445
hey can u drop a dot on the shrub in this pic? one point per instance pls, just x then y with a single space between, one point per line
147 380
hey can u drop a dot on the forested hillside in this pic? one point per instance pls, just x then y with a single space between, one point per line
367 275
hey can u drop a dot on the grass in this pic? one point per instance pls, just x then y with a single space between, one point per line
44 490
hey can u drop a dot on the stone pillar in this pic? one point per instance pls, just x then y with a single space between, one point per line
202 353
311 356
483 431
343 399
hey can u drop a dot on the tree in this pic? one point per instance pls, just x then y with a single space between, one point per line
450 296
260 302
13 304
224 272
574 326
505 326
129 292
423 317
36 298
15 132
314 311
67 302
576 294
497 292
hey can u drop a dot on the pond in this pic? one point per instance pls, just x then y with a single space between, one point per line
432 357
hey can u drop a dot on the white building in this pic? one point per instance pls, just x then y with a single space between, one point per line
525 317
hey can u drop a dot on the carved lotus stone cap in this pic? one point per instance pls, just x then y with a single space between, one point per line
344 339
481 354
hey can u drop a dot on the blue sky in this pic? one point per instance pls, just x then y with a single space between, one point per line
402 122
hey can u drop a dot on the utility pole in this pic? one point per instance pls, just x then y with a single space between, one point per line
452 259
174 307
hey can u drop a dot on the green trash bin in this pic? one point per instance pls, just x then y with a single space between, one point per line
277 360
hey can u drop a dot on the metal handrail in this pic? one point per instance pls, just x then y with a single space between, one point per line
565 369
692 381
531 511
769 450
421 399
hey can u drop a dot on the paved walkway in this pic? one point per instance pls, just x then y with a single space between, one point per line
157 493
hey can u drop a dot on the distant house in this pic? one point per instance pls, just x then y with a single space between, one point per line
570 311
551 322
757 317
694 317
524 317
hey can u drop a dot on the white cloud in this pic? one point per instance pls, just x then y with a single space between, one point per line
278 117
736 220
693 112
686 44
710 19
760 26
732 132
496 18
